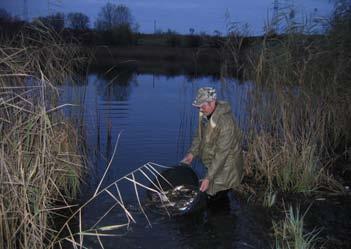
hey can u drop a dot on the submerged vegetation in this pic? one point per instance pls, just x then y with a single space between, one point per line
40 161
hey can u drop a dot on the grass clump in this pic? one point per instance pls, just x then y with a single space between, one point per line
40 163
290 234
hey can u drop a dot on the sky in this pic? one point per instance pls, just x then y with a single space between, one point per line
179 15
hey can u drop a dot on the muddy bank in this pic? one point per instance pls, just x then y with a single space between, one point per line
333 217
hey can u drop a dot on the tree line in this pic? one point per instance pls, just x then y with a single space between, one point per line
114 25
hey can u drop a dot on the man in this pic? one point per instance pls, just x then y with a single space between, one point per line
217 143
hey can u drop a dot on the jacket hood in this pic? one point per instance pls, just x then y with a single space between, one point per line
222 108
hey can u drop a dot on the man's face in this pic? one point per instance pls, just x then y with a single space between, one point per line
208 107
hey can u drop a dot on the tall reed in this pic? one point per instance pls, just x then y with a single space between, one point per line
300 106
40 163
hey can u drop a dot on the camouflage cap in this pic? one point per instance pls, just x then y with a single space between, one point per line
205 94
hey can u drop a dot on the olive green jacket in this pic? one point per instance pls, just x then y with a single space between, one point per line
218 144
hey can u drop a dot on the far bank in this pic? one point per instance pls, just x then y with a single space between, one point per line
159 59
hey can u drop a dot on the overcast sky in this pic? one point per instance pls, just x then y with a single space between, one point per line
179 15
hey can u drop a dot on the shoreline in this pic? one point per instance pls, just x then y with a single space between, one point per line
160 60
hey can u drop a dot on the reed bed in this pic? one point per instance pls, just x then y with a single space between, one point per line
299 109
40 161
293 141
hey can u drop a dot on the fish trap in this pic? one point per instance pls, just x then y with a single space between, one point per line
179 195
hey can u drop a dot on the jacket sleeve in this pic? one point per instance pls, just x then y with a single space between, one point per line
222 150
195 145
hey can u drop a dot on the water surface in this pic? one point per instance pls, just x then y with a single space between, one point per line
156 121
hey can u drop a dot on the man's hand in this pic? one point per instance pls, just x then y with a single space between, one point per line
204 185
187 159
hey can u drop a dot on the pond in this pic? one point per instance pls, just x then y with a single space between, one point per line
152 114
155 120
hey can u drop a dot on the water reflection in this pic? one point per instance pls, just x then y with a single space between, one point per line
158 121
190 69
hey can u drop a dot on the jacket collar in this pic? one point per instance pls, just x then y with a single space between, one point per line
221 107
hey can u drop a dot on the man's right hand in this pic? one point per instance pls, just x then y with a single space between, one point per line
187 159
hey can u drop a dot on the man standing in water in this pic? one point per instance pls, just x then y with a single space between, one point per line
217 143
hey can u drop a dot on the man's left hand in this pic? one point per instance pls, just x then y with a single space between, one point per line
204 185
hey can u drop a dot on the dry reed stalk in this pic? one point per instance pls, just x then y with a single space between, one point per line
102 228
299 110
40 161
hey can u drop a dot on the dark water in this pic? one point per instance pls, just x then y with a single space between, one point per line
157 121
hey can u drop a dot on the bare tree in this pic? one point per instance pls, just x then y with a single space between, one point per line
112 16
78 21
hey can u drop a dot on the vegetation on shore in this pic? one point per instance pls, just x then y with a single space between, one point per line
300 108
299 114
290 232
40 160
